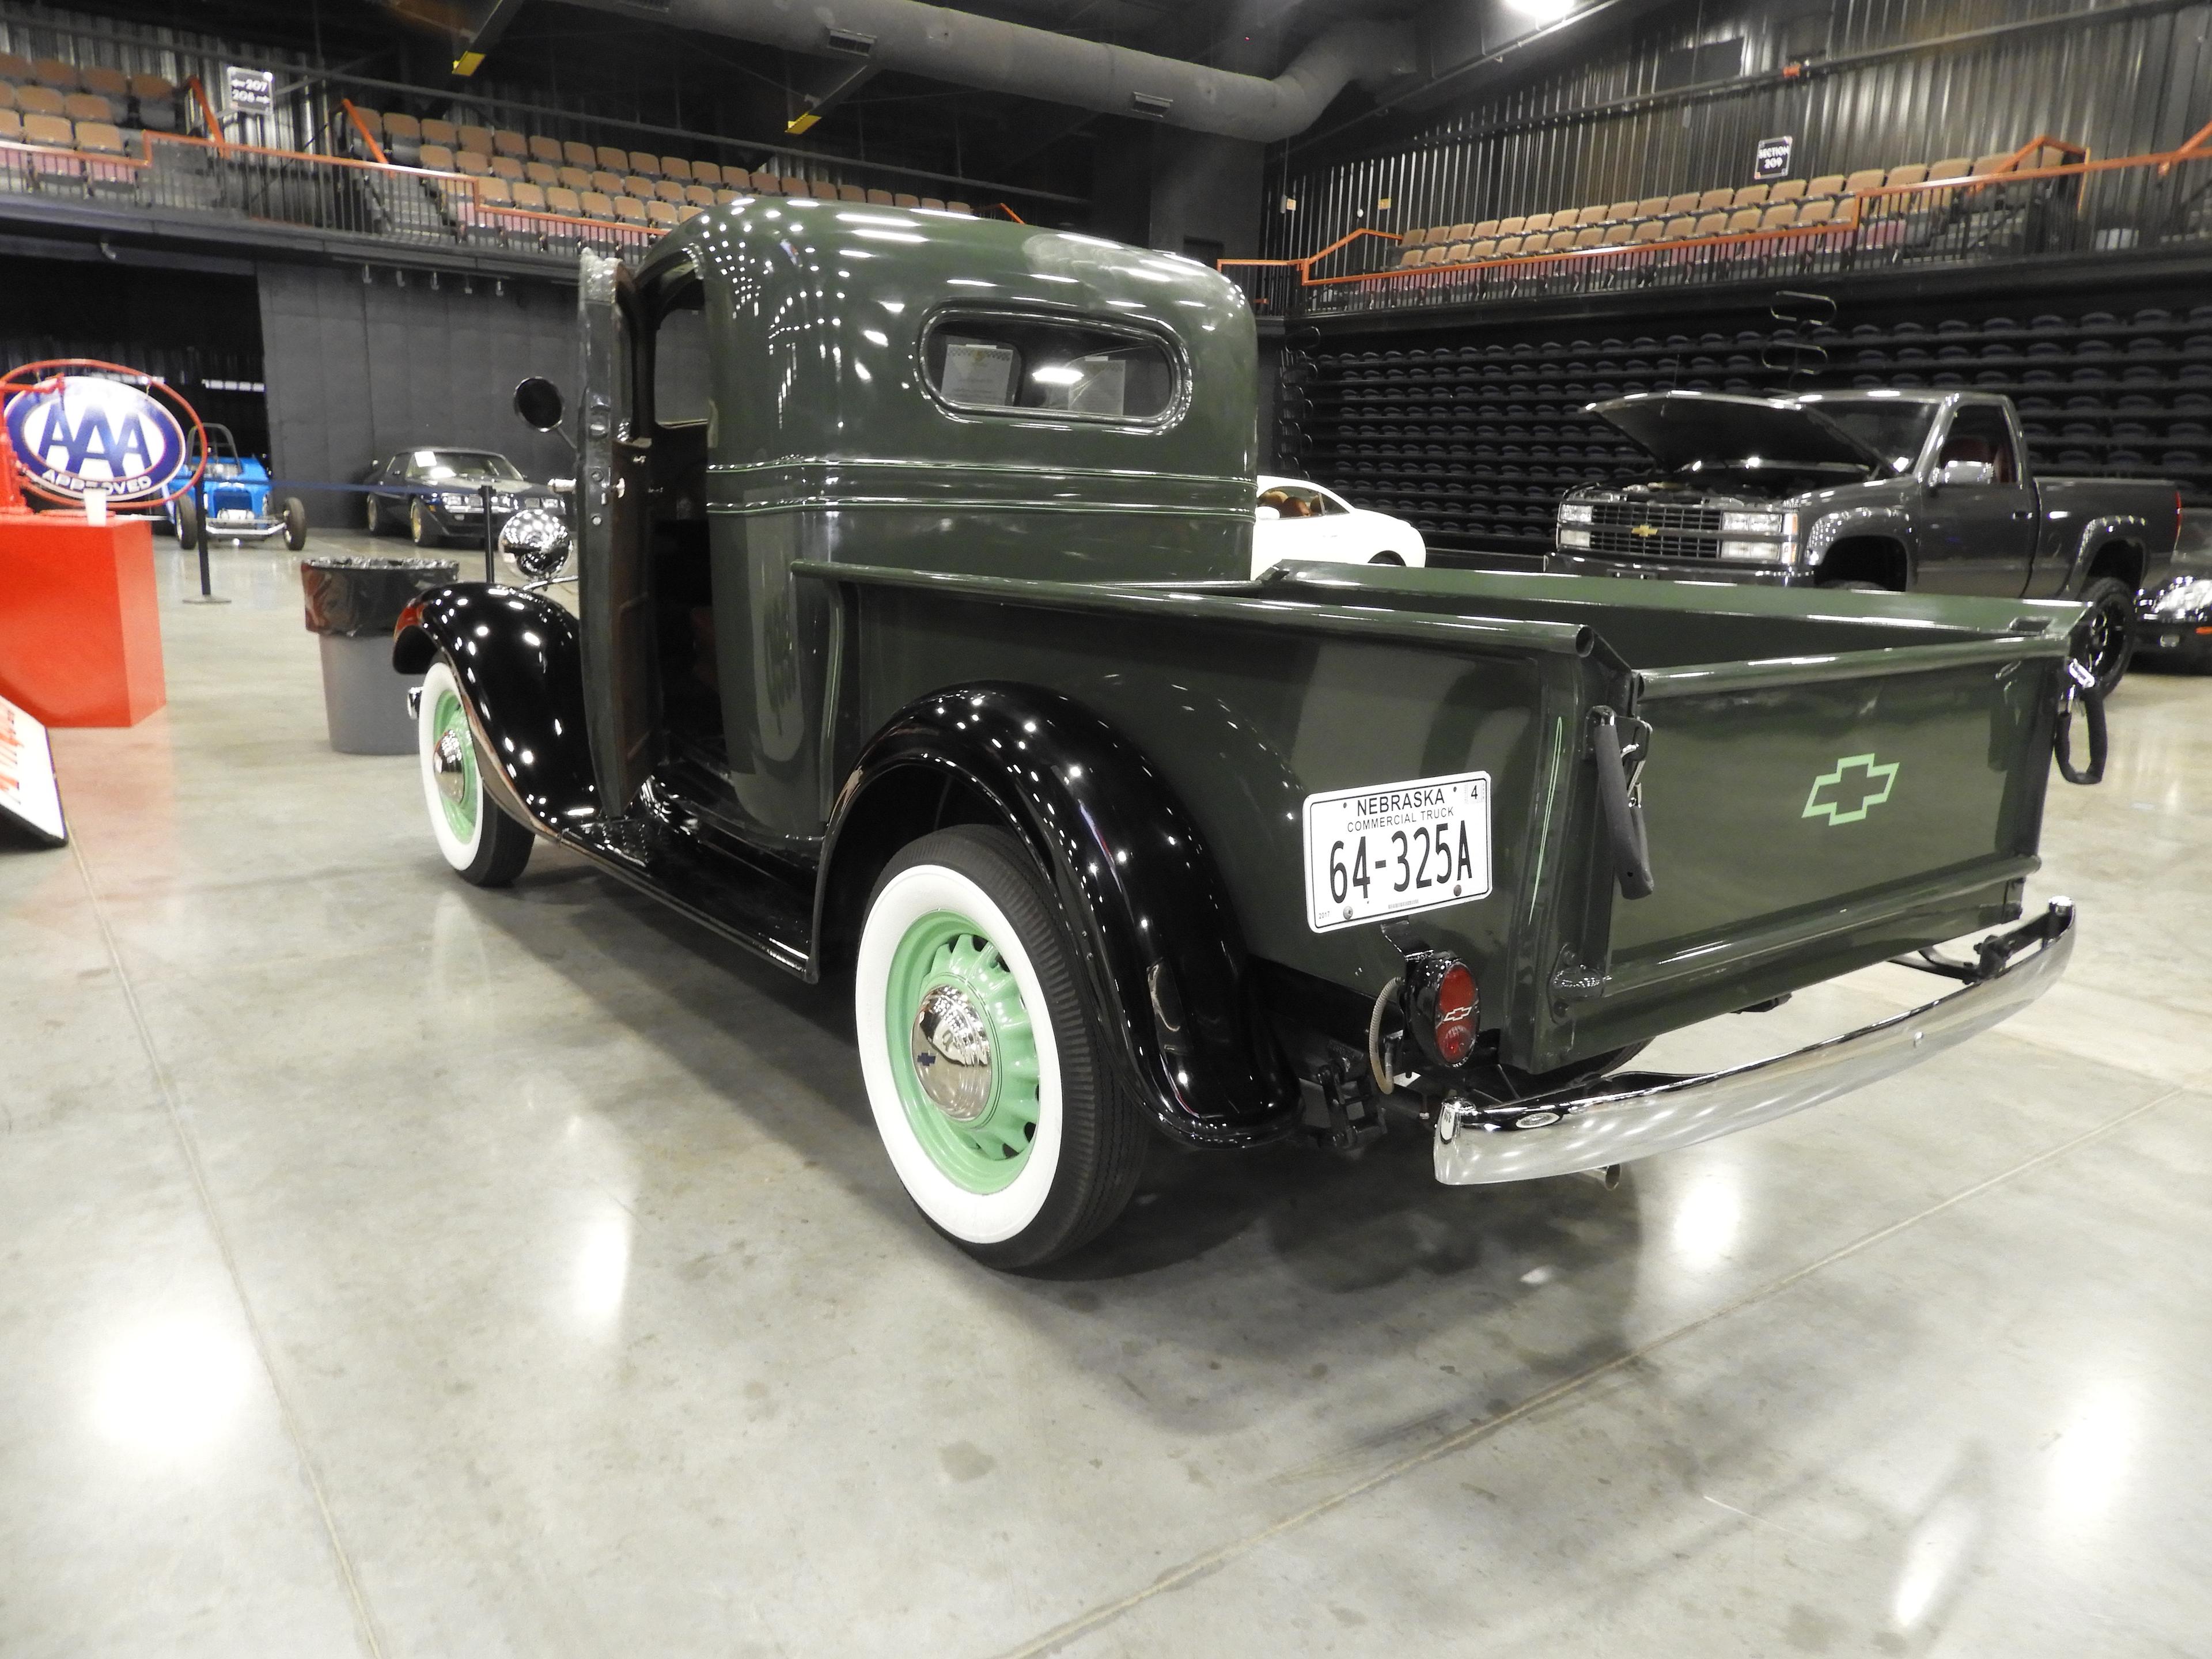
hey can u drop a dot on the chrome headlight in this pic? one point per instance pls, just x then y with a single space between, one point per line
538 541
503 501
454 501
1751 523
1574 511
2181 597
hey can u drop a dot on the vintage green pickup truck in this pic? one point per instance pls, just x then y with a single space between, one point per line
914 641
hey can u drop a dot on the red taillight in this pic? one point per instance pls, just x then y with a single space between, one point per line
1455 1014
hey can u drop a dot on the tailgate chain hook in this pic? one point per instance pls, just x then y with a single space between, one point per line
2080 683
1621 745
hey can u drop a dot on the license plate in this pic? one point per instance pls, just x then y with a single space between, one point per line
2168 641
1395 849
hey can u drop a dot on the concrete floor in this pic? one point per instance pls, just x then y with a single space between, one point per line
390 1268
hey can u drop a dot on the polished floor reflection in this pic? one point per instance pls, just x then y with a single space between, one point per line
393 1269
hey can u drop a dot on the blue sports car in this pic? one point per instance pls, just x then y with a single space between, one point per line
236 491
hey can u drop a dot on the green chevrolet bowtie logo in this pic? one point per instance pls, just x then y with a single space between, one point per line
1871 790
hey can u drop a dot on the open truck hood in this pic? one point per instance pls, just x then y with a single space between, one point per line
1679 428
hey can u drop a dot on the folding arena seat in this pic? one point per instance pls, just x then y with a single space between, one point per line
56 72
905 199
639 185
577 154
1751 196
1686 202
709 174
933 202
1951 167
1780 216
1991 165
724 196
629 210
1591 236
106 141
1648 230
87 107
699 196
856 193
1596 213
1536 221
573 178
112 84
52 133
545 149
660 215
11 124
644 161
1512 227
435 157
562 200
1711 224
1745 220
1621 213
505 140
41 100
1459 233
1651 207
959 207
473 163
154 103
403 138
607 183
14 69
668 190
493 195
472 138
1790 190
444 134
1409 255
1818 210
507 168
796 186
597 204
688 212
528 197
608 159
675 167
1713 200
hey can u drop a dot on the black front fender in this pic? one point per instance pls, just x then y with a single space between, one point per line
516 656
1161 951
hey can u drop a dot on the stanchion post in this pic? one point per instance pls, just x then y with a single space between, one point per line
491 541
206 595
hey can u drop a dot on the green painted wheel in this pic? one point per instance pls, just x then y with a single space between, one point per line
964 1053
478 841
461 791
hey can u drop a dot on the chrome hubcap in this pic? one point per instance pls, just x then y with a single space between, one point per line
951 1049
447 765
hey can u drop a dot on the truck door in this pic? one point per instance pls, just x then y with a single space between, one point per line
613 596
1978 537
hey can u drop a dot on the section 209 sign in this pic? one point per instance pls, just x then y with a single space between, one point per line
78 433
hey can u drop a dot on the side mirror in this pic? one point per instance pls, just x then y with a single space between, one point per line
536 540
1953 473
1265 514
537 400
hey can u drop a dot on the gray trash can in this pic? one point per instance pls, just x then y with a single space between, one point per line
352 606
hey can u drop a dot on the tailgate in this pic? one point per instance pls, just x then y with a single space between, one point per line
1809 816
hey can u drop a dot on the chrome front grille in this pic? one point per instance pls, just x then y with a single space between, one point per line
1661 530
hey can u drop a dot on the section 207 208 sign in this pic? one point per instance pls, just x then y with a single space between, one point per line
81 432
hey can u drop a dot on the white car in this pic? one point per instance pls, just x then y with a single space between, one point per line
1295 520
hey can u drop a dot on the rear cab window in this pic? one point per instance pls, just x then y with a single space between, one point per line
1001 363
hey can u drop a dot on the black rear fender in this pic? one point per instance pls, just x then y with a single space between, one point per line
516 656
1161 951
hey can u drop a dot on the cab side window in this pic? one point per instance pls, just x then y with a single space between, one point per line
679 360
982 361
1982 433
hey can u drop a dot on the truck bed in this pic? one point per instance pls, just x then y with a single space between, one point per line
1256 696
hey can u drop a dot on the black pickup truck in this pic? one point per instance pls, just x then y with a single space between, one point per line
1910 491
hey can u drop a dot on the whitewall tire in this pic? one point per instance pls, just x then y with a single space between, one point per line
1003 1119
476 839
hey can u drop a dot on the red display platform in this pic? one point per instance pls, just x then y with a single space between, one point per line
80 635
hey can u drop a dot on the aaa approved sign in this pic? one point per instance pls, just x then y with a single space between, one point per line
1395 849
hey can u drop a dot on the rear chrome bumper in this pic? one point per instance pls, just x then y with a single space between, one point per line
1636 1114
